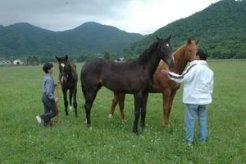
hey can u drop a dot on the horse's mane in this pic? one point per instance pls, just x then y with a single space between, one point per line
180 49
144 57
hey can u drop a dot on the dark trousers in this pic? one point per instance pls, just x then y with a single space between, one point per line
49 109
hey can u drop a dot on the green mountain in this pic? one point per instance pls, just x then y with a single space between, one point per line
24 39
221 29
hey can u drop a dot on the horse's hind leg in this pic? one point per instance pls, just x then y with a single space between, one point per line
90 95
122 104
113 105
119 98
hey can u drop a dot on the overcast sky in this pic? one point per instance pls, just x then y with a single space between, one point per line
140 16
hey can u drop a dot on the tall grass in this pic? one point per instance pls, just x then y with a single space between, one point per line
22 140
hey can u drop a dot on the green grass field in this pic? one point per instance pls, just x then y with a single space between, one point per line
22 140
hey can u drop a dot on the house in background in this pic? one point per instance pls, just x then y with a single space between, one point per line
17 62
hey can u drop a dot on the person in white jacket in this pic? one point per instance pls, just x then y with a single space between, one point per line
198 80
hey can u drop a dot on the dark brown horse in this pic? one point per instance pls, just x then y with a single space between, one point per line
161 83
130 77
68 78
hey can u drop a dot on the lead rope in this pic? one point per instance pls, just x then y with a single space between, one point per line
57 94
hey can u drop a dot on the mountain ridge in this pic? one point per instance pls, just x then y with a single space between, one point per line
219 27
24 39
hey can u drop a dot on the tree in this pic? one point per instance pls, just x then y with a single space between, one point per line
106 55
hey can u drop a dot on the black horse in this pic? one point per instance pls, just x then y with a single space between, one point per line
131 77
68 78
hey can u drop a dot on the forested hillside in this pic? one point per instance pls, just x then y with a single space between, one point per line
221 29
24 39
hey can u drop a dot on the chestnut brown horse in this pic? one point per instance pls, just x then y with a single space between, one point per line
68 79
161 83
129 77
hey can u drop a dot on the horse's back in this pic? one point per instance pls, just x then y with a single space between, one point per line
92 66
91 69
115 76
99 65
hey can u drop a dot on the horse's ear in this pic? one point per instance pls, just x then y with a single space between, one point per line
157 38
197 42
189 41
66 57
168 39
57 58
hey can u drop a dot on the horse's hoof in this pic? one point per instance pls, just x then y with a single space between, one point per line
164 125
135 131
88 126
110 116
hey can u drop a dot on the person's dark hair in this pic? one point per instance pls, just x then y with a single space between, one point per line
202 54
47 67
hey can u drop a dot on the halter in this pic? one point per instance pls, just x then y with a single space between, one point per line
63 73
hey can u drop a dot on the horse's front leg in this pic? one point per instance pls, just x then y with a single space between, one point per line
75 101
168 97
65 100
71 91
137 105
143 109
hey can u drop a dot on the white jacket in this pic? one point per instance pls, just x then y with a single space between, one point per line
198 80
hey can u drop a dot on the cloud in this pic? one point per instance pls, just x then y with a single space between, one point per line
59 14
142 16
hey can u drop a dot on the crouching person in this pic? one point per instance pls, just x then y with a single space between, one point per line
48 97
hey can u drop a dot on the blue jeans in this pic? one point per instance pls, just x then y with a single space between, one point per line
194 112
49 109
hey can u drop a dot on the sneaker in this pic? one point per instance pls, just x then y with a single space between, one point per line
203 142
39 120
189 143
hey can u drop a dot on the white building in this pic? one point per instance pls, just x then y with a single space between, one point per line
17 62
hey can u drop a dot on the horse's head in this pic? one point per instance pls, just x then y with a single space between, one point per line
64 68
165 50
191 49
